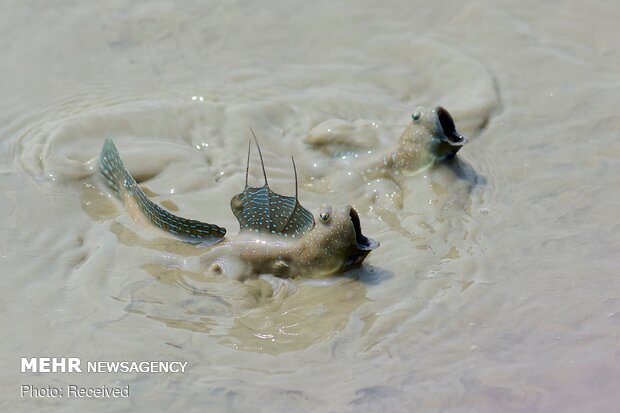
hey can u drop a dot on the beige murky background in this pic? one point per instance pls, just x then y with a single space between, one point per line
497 284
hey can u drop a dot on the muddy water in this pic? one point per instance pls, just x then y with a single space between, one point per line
496 286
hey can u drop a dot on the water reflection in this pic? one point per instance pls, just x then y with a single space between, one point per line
370 275
267 314
463 170
310 315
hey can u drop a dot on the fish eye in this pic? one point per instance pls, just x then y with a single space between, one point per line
416 115
324 215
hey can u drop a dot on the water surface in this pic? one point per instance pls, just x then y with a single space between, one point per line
496 286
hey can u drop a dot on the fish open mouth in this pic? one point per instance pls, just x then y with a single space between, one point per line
363 244
452 136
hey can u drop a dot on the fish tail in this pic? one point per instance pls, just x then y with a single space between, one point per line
120 180
111 166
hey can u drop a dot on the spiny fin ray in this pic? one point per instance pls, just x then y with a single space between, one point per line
262 210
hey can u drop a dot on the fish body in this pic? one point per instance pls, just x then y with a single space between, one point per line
334 245
277 235
431 136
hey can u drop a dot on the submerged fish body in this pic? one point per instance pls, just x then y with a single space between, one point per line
430 137
277 235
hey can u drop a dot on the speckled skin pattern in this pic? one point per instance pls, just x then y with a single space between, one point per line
430 136
331 247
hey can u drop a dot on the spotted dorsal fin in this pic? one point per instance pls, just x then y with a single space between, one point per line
262 210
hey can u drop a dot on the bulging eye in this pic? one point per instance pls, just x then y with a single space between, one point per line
416 115
324 215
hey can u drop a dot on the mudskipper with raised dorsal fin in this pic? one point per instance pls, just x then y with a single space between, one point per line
277 235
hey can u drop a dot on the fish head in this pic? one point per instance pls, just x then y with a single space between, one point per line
436 129
338 237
